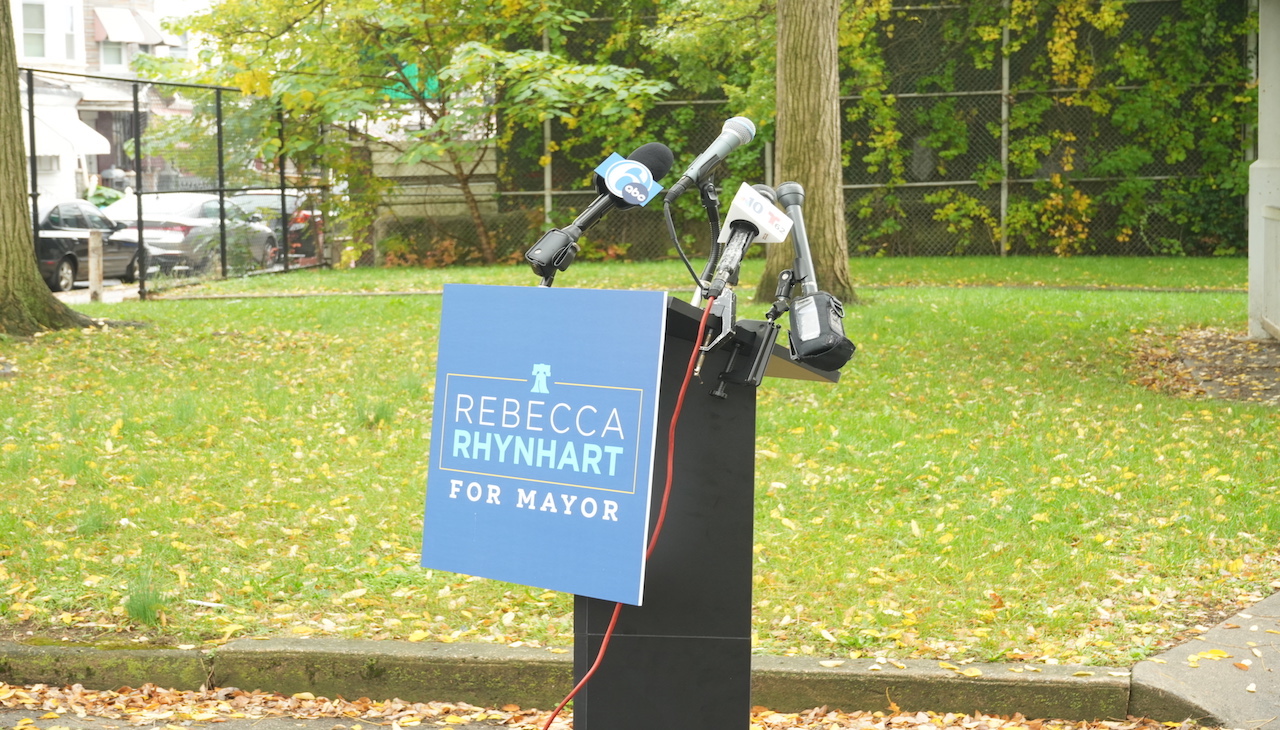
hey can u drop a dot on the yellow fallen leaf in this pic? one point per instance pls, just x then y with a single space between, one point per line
1251 688
455 720
419 635
1082 674
354 594
1241 666
874 668
304 696
970 672
50 716
1016 669
831 663
945 665
1215 654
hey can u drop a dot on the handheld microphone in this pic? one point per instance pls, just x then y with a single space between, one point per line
791 197
556 249
736 132
816 317
752 217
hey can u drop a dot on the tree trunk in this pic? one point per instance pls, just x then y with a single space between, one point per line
808 141
484 241
26 304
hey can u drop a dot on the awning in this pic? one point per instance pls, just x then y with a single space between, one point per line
117 24
59 131
157 35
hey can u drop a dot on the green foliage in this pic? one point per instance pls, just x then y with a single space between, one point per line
363 82
1101 91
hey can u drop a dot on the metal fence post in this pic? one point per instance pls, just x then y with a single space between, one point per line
283 243
141 256
1004 133
31 159
222 186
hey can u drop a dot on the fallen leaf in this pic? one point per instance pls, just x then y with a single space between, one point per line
831 664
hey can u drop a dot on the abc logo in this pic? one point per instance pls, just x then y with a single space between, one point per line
629 180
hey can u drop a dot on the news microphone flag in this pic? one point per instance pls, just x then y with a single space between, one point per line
628 179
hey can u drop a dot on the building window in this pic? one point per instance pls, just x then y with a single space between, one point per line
48 163
33 30
69 37
112 53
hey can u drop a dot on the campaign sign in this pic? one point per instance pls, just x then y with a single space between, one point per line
542 439
628 179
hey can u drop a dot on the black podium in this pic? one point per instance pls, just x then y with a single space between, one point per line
683 659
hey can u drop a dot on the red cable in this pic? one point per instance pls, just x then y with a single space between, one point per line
662 511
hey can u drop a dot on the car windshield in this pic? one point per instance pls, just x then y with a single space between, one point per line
267 204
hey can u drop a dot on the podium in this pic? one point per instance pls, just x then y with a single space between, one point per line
682 660
548 466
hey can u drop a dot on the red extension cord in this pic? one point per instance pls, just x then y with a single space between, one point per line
662 511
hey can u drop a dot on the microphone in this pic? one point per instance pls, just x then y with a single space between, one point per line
816 318
622 186
736 132
752 217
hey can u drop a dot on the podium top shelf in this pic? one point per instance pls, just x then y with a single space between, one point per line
682 323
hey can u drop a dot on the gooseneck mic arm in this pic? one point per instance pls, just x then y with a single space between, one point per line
791 198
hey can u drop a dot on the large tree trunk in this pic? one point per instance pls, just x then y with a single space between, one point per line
26 304
808 141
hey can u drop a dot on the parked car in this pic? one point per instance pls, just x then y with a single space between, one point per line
62 247
185 226
303 213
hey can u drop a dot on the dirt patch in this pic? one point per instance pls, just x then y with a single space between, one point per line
1213 363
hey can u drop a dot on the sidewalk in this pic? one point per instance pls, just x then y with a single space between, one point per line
112 293
1225 677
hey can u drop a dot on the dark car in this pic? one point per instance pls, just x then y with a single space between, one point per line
62 248
301 209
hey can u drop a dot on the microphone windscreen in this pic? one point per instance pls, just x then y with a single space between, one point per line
656 156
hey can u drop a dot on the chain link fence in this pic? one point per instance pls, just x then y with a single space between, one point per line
956 157
193 163
995 160
945 154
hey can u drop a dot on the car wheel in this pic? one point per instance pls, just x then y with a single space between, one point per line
64 276
272 254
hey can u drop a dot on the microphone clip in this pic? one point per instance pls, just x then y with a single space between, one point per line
553 252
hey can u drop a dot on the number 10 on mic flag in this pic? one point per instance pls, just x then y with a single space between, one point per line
627 179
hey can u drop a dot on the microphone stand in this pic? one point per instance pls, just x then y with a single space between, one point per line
711 203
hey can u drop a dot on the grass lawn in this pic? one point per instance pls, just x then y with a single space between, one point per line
985 482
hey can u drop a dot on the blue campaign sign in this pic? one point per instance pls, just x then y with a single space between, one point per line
542 439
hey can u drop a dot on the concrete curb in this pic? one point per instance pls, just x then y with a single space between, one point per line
1224 677
487 675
